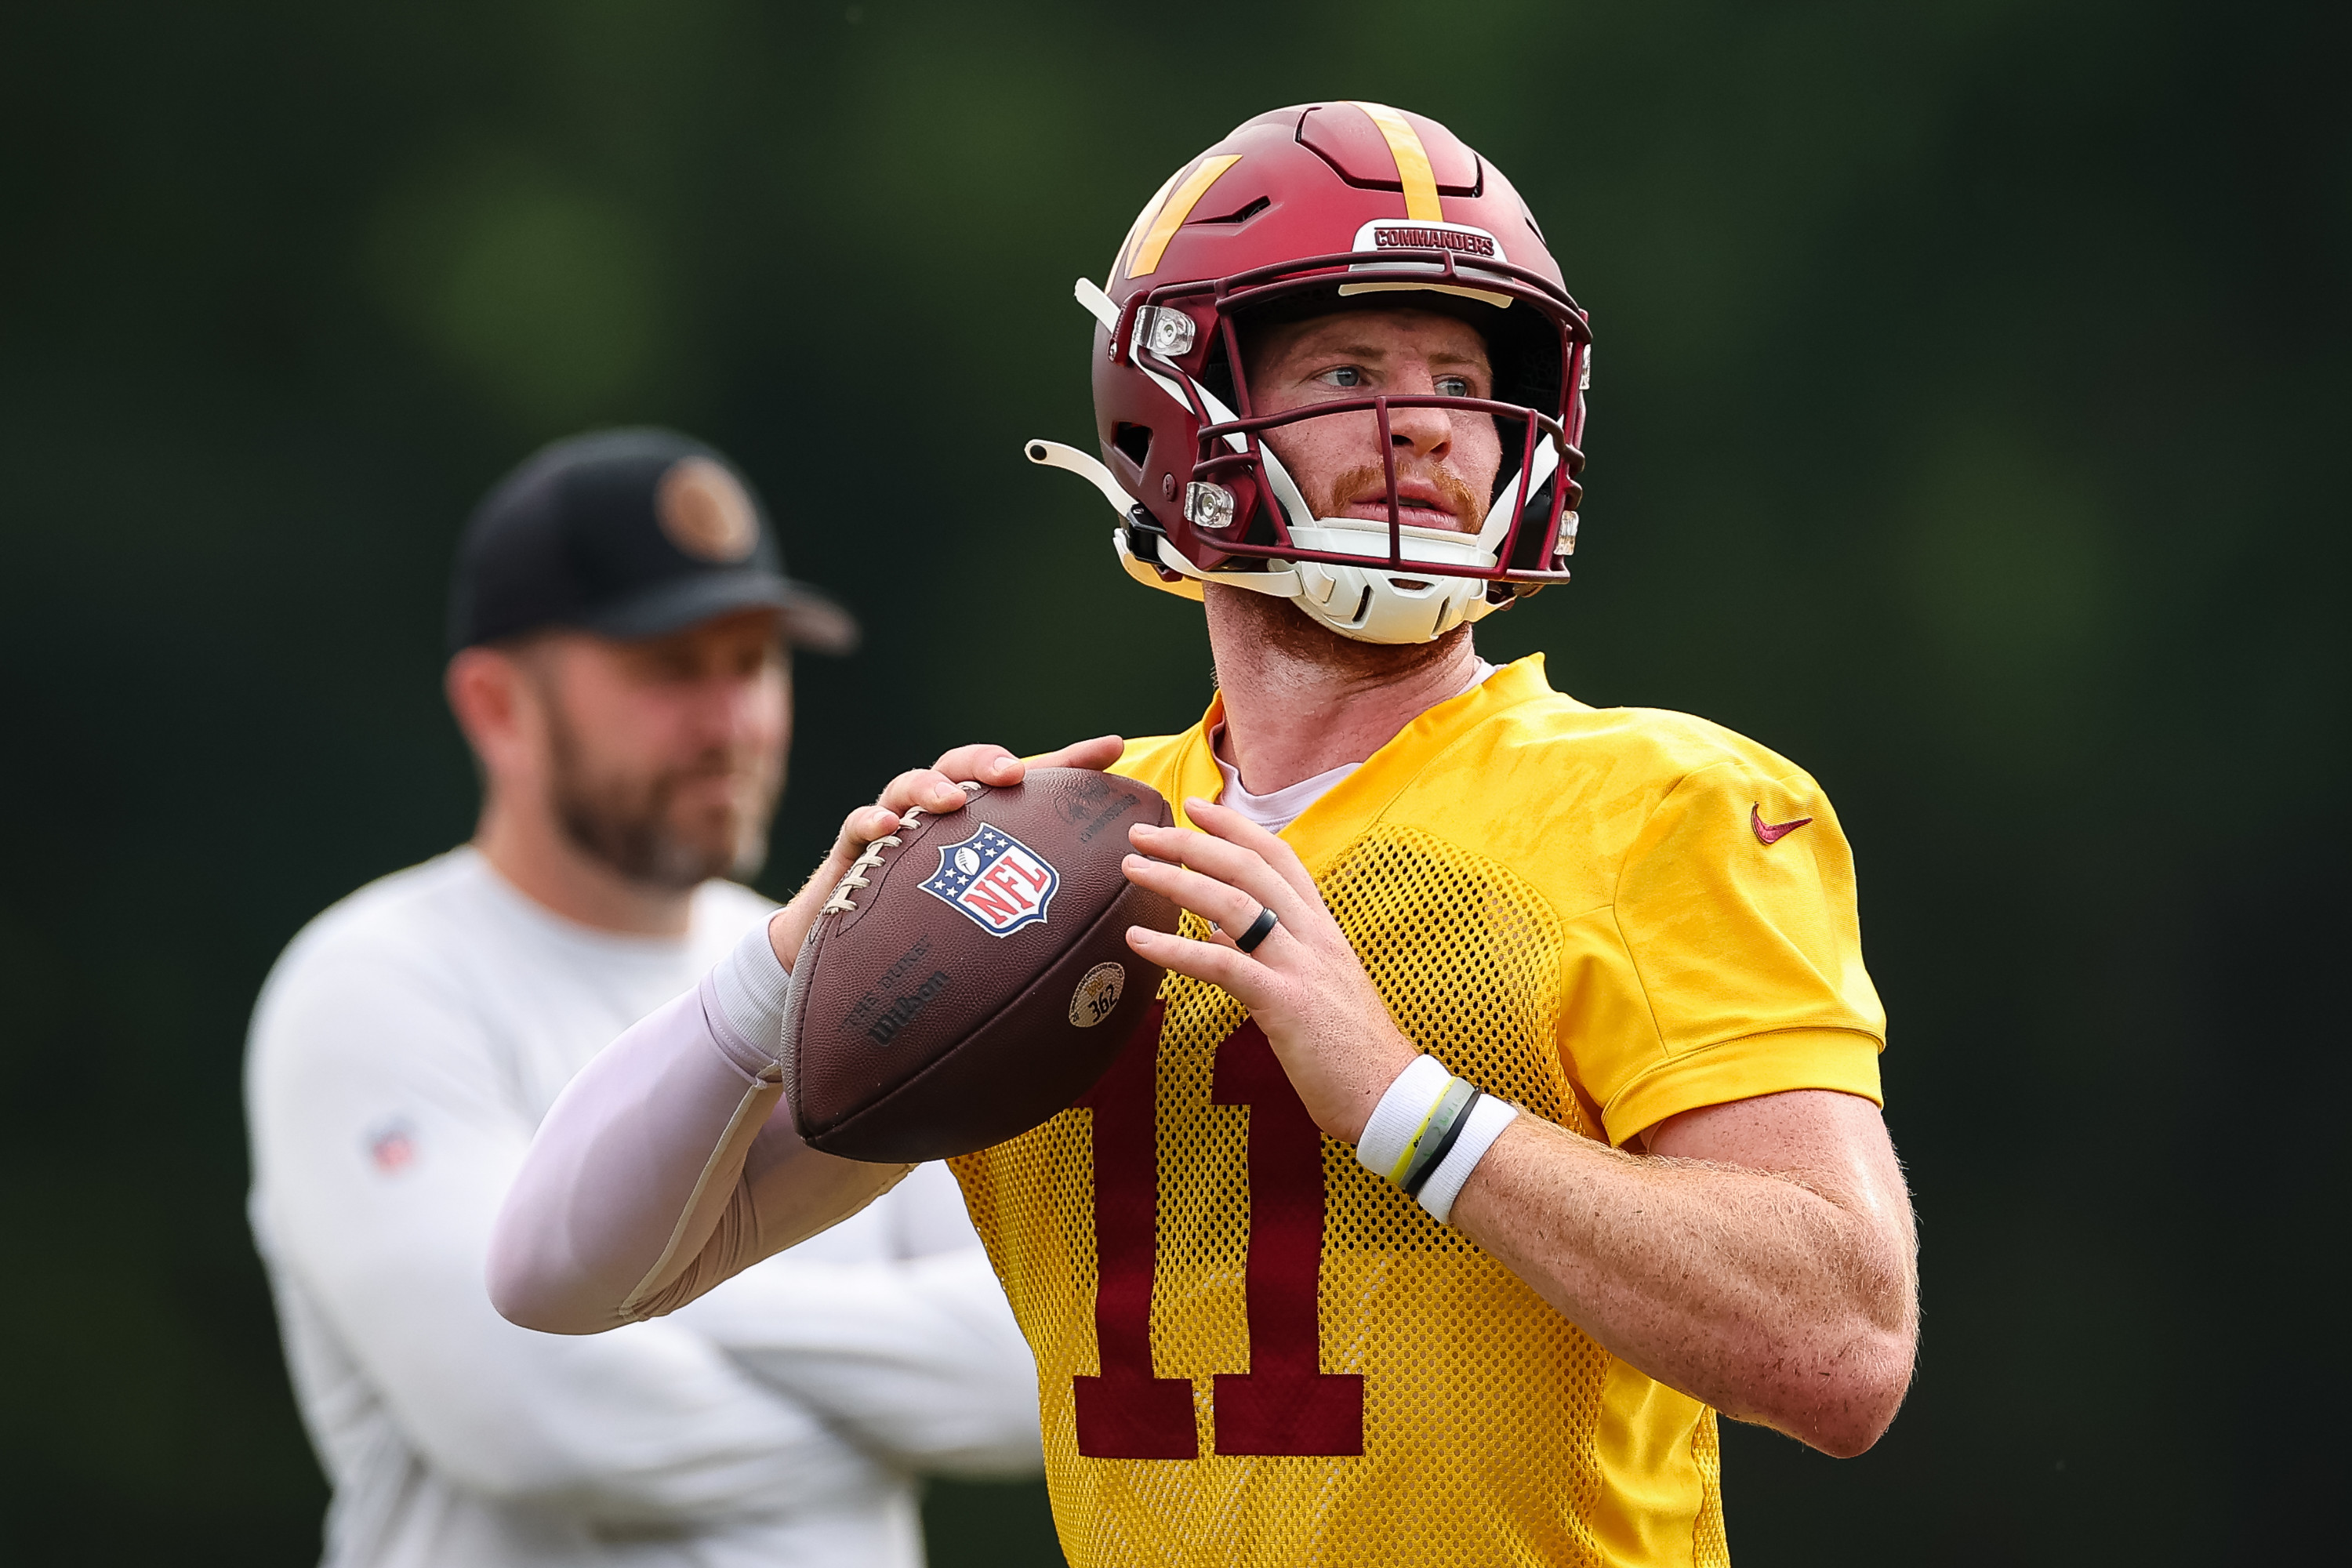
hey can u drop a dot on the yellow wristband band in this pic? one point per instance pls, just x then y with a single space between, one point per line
1405 1161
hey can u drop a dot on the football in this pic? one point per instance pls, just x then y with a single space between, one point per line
969 977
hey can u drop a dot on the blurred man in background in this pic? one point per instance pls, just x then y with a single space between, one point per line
619 622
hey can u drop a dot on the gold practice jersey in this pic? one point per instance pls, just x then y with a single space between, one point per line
1250 1349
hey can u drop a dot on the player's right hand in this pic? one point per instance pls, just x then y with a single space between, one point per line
936 790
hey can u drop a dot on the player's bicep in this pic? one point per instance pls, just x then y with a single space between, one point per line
1831 1143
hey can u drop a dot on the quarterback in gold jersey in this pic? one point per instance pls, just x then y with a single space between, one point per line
1512 1104
1538 1036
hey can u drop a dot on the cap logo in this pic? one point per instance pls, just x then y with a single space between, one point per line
703 510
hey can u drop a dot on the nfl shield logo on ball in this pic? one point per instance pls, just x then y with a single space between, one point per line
994 880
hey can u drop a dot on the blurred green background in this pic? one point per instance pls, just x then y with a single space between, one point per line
1969 424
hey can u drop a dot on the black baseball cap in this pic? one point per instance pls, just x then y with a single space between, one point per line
628 533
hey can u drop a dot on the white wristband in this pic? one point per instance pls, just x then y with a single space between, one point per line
1487 1120
751 984
1400 1113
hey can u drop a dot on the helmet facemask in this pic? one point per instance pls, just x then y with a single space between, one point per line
1251 232
1387 582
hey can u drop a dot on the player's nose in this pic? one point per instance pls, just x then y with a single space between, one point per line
1423 432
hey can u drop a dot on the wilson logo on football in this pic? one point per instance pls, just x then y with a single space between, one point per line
994 880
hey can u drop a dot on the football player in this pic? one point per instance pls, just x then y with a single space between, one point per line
1512 1105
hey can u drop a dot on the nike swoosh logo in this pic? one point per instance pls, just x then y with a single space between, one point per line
1771 832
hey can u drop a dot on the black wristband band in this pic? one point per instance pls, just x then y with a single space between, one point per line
1445 1131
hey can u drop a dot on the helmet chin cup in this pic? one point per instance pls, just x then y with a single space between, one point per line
1374 606
1379 603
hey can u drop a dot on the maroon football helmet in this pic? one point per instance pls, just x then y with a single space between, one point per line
1299 212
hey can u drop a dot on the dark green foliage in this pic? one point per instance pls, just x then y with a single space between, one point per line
1971 392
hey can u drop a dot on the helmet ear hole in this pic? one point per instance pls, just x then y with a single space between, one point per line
1132 442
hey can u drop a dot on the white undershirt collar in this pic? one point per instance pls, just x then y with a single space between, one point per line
1278 810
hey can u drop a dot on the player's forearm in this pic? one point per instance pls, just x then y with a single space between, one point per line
668 1165
1766 1300
608 1188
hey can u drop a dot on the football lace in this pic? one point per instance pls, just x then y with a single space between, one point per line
851 881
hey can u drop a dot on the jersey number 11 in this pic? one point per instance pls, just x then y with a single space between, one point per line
1285 1404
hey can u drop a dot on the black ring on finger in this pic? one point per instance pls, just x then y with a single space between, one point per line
1266 921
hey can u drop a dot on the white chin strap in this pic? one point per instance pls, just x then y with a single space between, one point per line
1367 603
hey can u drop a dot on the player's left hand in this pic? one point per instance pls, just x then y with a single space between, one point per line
938 789
1303 984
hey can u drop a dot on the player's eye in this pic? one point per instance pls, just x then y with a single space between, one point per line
1454 386
1344 377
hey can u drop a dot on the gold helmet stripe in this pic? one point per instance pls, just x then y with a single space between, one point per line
1177 208
1135 229
1413 172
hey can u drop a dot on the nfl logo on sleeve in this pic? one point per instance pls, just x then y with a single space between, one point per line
994 880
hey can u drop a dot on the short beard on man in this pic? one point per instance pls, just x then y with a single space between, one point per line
1281 626
629 823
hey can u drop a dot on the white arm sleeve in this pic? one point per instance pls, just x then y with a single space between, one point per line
384 1143
670 1163
917 1357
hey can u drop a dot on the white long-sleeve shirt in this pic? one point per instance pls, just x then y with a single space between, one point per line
404 1050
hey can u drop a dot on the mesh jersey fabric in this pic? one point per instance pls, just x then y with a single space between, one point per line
1253 1351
